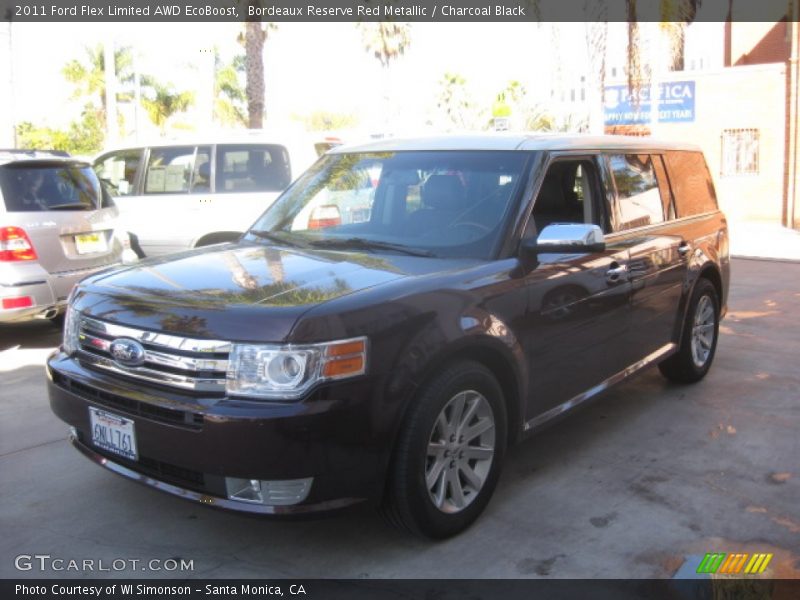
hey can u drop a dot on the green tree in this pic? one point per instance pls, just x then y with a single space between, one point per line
84 136
454 101
162 101
230 98
89 76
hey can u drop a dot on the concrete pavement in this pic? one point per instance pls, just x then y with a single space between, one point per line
764 240
650 474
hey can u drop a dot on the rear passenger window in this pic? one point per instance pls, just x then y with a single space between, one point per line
638 196
252 168
663 185
691 183
169 170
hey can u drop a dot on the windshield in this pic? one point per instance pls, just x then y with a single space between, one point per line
439 203
30 187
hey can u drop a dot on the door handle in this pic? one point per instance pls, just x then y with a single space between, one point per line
616 273
683 249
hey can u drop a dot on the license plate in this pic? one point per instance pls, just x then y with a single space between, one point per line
113 433
90 243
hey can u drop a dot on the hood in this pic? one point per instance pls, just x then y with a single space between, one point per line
244 292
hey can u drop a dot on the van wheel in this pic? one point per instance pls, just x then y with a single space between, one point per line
699 339
449 453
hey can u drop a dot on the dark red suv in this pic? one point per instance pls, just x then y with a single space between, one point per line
471 290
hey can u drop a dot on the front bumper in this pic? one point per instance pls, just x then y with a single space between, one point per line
188 446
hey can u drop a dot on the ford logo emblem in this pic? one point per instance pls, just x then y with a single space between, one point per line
127 352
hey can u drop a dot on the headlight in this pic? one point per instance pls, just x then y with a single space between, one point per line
287 372
71 330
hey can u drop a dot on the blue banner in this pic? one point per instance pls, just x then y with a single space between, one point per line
675 104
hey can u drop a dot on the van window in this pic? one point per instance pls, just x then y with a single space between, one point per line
638 197
201 177
119 170
691 183
252 168
169 170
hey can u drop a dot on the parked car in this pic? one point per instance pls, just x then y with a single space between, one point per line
56 226
497 284
179 194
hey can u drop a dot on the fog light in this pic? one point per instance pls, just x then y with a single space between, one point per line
271 493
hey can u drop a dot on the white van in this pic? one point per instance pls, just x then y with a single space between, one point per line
178 194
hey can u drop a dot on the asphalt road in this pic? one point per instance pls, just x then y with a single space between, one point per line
630 486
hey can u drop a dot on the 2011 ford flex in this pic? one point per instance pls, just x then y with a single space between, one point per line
484 287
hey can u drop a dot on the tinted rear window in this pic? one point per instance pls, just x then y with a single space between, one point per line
252 168
35 188
691 183
638 195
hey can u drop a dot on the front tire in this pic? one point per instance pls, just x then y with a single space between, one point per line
449 453
699 338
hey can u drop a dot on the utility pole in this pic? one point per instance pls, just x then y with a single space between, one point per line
8 134
112 126
137 96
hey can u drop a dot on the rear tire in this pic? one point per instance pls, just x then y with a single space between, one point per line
699 337
449 453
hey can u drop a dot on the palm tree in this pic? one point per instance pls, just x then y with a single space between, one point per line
640 63
253 38
162 101
230 97
89 76
675 16
386 41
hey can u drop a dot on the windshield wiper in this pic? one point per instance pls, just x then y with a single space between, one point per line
274 237
355 243
70 206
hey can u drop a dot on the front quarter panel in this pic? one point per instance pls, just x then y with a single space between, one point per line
413 334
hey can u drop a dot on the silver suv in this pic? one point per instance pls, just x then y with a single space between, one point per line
56 227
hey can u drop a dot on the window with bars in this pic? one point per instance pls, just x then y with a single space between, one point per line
740 149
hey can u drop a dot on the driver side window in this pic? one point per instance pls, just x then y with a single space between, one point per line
567 195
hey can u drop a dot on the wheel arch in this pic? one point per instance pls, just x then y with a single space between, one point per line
498 358
710 272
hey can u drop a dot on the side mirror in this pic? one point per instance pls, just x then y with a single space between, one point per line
567 238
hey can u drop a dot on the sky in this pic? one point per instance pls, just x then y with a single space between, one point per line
316 66
309 66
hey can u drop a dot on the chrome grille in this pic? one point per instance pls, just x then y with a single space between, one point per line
185 363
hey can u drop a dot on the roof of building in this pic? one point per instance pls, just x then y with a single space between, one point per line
507 142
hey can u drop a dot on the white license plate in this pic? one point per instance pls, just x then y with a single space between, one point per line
90 243
113 433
